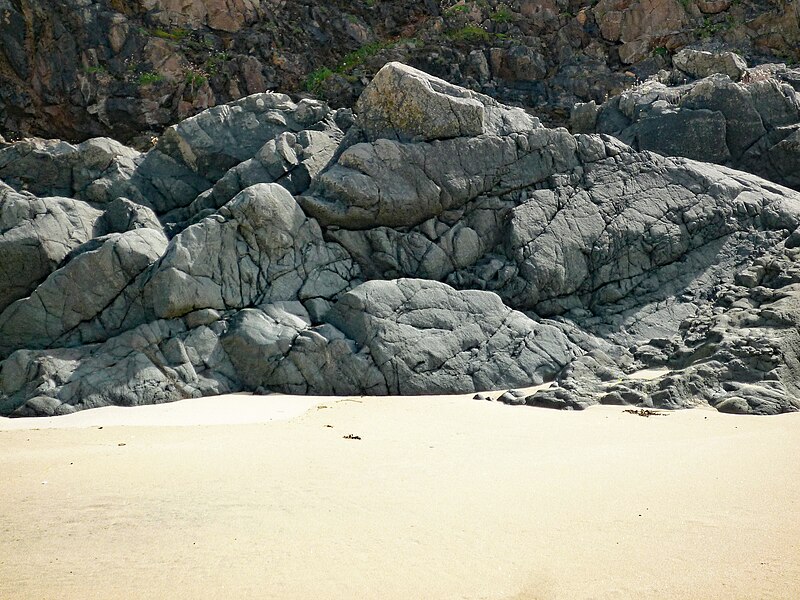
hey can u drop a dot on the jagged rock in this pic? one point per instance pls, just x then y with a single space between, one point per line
752 125
259 248
35 236
622 259
162 361
79 298
405 104
56 168
291 160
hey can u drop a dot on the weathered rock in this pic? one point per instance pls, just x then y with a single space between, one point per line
622 259
35 236
426 337
750 125
78 301
259 248
699 64
405 104
55 168
392 183
157 362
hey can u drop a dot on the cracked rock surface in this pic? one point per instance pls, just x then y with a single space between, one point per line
711 107
434 242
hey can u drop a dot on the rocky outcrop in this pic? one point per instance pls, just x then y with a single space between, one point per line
745 118
485 251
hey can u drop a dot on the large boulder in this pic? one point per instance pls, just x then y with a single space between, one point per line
425 337
403 103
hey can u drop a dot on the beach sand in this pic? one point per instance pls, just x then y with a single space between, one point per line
440 498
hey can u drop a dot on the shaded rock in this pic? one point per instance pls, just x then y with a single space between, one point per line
751 125
56 168
156 362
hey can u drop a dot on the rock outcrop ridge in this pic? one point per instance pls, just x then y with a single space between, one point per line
439 243
711 107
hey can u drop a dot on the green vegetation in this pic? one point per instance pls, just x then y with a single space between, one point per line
660 51
149 77
354 59
195 78
96 70
173 35
458 8
469 33
215 62
316 78
502 15
709 28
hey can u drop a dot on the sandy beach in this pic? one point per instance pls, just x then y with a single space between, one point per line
389 498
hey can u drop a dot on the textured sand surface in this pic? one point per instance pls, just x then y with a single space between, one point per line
442 497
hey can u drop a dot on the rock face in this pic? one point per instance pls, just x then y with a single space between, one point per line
745 118
437 243
77 69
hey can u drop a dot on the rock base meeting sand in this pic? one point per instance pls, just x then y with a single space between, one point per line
415 497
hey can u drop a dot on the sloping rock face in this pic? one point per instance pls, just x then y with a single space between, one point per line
748 119
438 242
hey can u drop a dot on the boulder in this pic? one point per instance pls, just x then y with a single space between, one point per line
426 337
405 104
699 64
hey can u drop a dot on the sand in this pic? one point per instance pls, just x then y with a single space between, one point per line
441 497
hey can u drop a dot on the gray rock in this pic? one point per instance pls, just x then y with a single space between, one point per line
56 168
393 183
426 337
35 236
749 125
157 362
260 248
123 215
78 299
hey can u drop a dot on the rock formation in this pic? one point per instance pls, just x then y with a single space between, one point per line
435 241
716 110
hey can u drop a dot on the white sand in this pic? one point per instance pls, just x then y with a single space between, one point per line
442 497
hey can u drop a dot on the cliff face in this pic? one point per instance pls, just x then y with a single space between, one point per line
127 69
